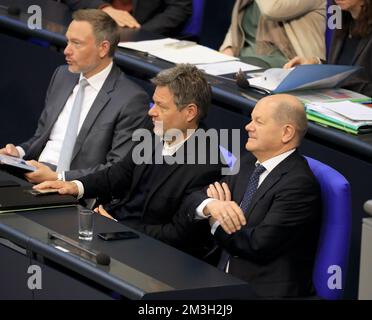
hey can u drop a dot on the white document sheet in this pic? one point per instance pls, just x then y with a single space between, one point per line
270 79
221 68
351 110
169 50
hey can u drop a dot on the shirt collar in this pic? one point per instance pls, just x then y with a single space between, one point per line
97 81
270 164
171 149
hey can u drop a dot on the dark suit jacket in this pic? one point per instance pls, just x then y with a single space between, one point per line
161 216
165 17
362 81
275 250
106 134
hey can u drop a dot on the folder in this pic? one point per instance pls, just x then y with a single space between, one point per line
311 76
327 116
322 120
14 199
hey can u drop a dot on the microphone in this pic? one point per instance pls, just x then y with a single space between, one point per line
368 207
98 257
242 82
13 10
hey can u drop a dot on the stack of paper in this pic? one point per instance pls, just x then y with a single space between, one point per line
221 68
178 51
348 116
330 95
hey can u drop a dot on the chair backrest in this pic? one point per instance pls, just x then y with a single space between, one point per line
194 24
331 259
228 156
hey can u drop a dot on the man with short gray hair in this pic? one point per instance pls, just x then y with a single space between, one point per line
267 217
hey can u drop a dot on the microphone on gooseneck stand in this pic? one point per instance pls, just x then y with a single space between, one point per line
13 10
97 257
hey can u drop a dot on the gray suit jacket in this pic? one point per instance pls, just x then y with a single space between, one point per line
362 81
106 134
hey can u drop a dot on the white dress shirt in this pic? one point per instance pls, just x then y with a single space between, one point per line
51 151
269 165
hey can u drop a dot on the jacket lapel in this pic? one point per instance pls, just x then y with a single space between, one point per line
60 101
335 50
99 103
241 182
361 46
338 44
270 181
266 185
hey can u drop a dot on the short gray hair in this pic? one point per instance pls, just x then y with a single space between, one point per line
188 85
287 112
104 27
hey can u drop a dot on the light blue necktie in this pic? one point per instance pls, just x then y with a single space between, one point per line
72 129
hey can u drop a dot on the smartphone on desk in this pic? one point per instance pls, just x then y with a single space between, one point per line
121 235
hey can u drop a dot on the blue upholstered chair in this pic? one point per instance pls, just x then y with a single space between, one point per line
333 247
193 26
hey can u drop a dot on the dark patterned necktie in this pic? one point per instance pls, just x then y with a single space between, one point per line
247 198
251 188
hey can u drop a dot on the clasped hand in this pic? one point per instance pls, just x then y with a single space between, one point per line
223 209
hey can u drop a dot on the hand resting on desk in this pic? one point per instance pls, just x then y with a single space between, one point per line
64 187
